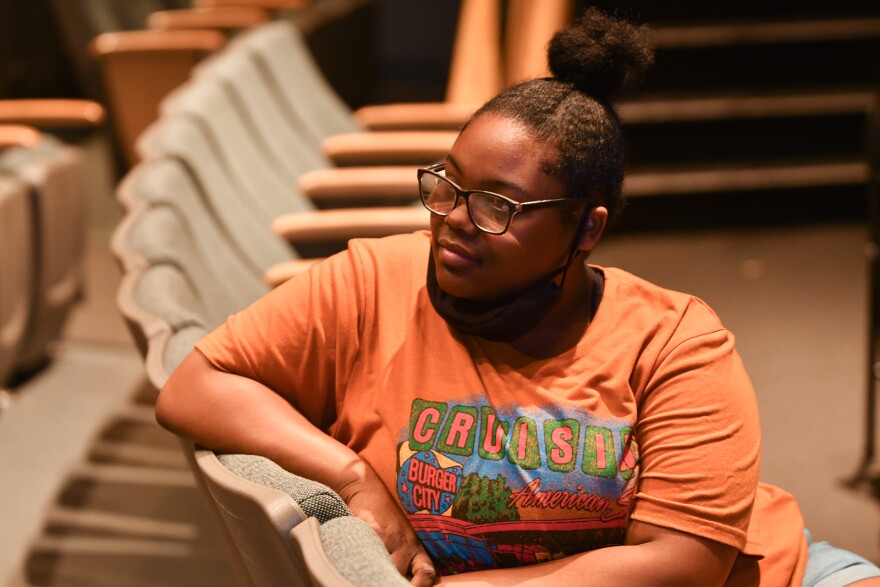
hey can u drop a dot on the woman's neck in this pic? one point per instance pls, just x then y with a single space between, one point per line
564 324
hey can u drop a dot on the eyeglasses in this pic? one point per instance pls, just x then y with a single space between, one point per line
490 212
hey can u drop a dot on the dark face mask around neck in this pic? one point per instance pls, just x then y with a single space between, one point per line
501 320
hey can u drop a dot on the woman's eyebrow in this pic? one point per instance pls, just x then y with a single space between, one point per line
450 160
493 184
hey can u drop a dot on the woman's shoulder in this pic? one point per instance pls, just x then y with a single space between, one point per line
638 300
395 243
634 287
395 259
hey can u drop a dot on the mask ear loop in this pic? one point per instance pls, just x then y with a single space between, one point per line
572 253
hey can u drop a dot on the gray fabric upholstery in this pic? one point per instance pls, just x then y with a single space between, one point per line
56 174
304 91
17 268
353 548
180 345
13 158
164 291
230 130
358 554
316 500
219 219
278 134
163 237
233 207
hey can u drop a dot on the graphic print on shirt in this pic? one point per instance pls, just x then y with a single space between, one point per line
489 487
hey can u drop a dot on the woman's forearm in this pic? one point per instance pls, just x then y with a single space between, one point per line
655 557
230 413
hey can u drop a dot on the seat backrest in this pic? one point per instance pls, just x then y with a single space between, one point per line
229 128
17 269
285 59
239 214
57 177
163 236
168 223
290 530
283 140
166 294
259 520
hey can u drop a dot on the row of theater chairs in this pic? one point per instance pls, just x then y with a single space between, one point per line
140 67
262 112
281 529
230 154
43 202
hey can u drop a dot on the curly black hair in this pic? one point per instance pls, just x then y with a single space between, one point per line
592 61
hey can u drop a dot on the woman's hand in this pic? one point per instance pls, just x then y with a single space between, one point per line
369 500
198 396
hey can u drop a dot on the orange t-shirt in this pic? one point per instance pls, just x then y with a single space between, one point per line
500 459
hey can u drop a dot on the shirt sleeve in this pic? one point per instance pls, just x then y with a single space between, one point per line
300 340
698 434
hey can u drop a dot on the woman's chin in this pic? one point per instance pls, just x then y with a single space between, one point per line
466 288
458 287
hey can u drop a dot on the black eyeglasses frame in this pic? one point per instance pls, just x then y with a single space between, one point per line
461 193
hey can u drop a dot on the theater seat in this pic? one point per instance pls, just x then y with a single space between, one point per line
312 540
139 68
283 529
56 177
168 222
17 268
238 212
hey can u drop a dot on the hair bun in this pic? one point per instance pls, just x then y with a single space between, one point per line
600 55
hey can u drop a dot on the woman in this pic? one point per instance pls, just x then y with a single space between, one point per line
520 416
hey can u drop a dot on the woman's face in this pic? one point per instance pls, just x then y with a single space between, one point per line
497 154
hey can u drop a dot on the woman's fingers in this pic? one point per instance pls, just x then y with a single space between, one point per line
422 570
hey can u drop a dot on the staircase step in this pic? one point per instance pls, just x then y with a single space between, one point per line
96 522
713 181
132 454
686 11
765 33
660 110
112 546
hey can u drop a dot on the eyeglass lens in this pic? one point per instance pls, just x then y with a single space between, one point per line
489 213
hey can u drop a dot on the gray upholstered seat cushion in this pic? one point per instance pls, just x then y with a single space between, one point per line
353 548
358 554
316 500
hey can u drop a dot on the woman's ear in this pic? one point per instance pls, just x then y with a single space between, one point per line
593 228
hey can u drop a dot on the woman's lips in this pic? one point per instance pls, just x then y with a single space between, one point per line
453 256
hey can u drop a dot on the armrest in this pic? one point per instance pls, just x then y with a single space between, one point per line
18 135
389 148
264 4
335 225
128 42
223 19
52 113
415 116
352 548
348 183
281 272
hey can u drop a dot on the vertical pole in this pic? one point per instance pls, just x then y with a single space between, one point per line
867 472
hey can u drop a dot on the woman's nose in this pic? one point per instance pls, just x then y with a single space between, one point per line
460 219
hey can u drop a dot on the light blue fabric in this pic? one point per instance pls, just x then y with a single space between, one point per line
828 566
